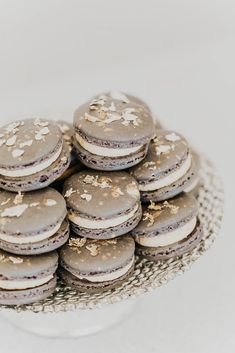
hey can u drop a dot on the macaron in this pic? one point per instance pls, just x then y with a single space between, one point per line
168 169
168 228
112 131
97 265
102 205
33 154
32 223
26 279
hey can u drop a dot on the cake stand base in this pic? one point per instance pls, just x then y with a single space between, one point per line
71 324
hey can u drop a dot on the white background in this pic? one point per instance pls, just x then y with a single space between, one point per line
180 57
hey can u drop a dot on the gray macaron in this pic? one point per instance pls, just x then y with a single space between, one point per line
168 228
33 154
97 265
168 169
112 131
26 279
102 205
32 223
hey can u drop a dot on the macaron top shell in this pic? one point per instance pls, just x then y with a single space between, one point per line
32 212
115 120
97 256
101 194
117 95
19 267
27 142
162 215
166 151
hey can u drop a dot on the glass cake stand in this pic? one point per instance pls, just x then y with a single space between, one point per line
68 313
69 324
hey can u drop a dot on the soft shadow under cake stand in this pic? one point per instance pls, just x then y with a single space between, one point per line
68 313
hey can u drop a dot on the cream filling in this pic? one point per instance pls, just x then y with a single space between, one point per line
192 186
31 170
104 151
169 179
30 239
170 237
109 276
101 224
24 284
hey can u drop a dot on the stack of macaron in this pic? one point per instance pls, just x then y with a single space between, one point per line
80 201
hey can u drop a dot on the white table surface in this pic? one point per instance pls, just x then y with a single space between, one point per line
180 57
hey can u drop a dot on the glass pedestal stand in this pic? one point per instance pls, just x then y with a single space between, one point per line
71 323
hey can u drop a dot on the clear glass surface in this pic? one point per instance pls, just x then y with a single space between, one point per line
71 324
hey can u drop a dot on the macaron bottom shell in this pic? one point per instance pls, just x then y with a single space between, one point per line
92 287
29 295
41 179
41 247
172 250
109 163
110 232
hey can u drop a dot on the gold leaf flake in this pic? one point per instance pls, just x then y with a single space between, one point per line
89 179
2 258
14 211
50 202
97 102
34 204
112 117
18 198
5 202
128 116
39 135
103 182
11 141
91 118
17 153
93 248
172 137
86 197
112 107
148 164
148 217
112 241
26 143
13 126
69 192
154 206
162 149
119 96
38 122
174 209
63 128
76 243
116 192
15 260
